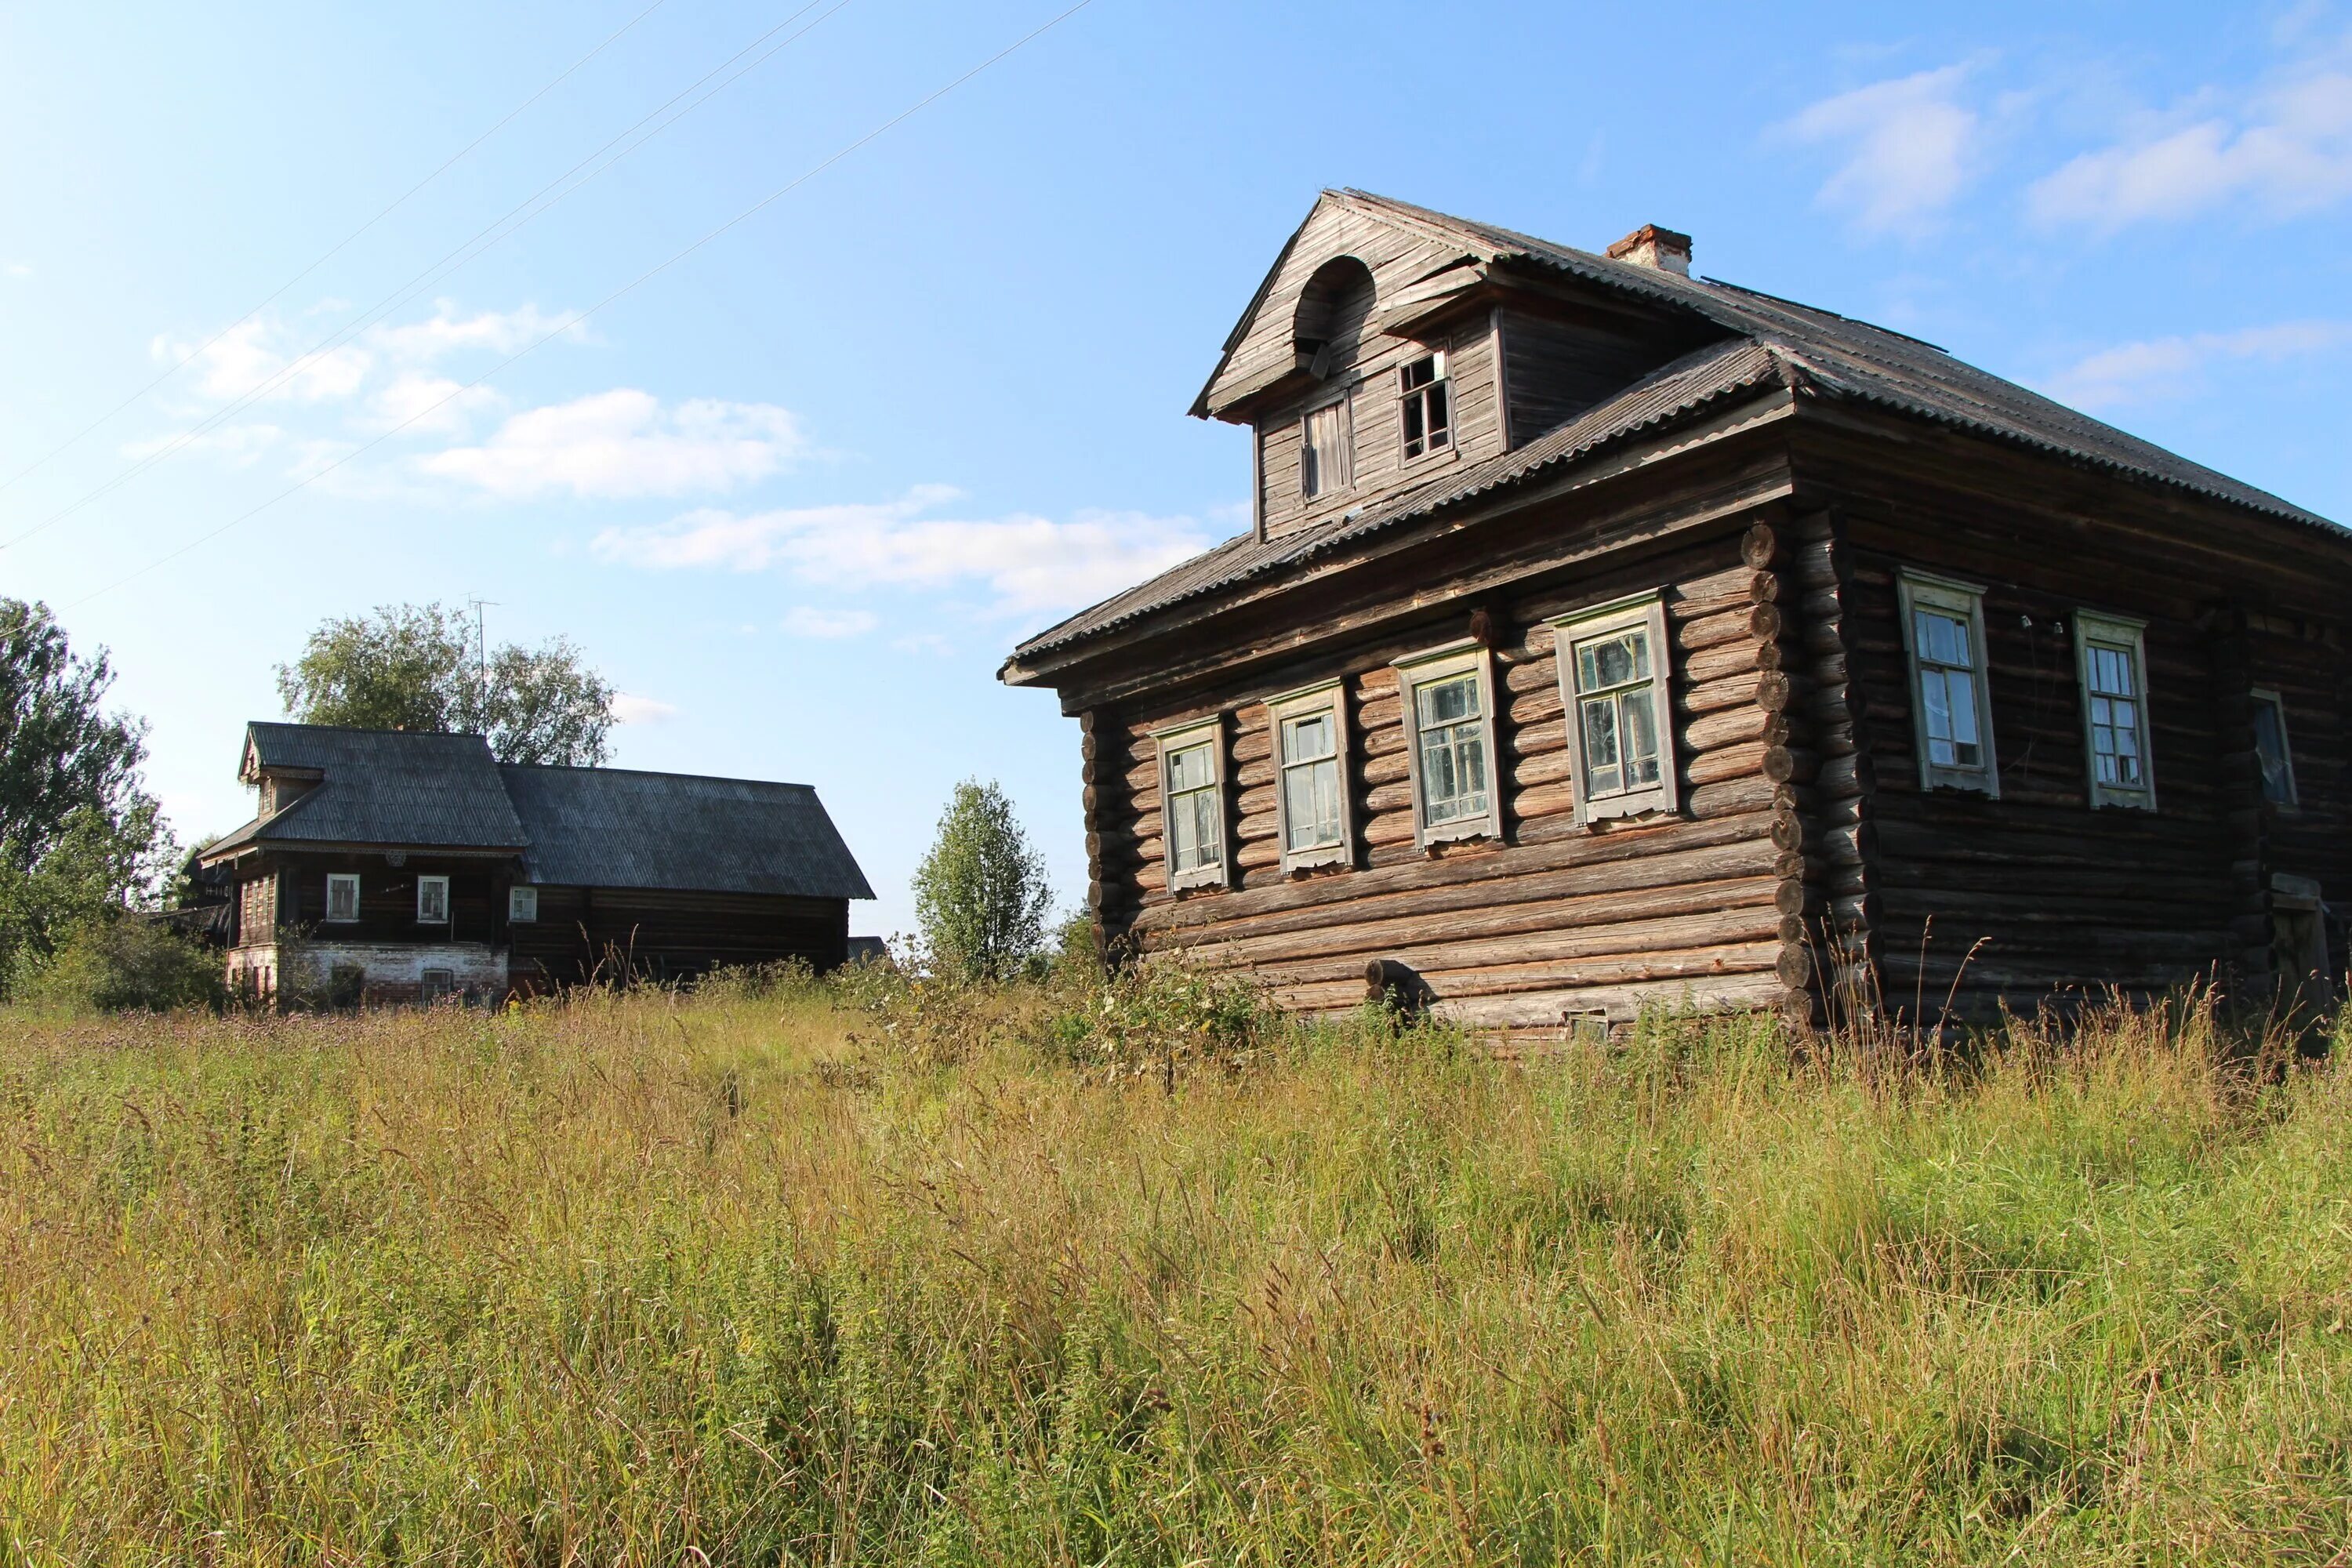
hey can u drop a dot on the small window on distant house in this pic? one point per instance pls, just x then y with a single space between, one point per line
433 984
433 901
1449 710
1943 631
523 904
343 897
1612 673
2112 654
1312 802
1326 460
1428 411
1191 792
2270 748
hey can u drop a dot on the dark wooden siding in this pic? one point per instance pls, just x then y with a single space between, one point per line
388 899
675 935
1556 367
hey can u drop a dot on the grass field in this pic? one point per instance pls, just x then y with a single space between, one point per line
652 1279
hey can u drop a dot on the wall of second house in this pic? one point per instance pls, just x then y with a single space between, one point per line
583 933
388 899
1553 919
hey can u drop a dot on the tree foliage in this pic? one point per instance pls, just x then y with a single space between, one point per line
981 894
80 841
413 667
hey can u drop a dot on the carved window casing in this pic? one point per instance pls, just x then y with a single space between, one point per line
1613 674
1311 796
1449 719
1192 804
1943 635
2111 659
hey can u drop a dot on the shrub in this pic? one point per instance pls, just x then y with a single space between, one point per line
127 965
1165 1013
981 893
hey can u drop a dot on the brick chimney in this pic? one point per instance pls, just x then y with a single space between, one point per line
1650 246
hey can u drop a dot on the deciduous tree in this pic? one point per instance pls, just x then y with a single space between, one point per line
981 894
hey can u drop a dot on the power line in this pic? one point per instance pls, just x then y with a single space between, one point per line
334 250
634 284
514 218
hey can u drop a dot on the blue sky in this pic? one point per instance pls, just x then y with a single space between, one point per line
799 492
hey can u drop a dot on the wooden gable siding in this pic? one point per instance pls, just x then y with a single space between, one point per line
1381 466
1554 368
581 932
1705 905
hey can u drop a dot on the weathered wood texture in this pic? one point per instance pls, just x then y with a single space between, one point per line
1559 360
1551 919
592 933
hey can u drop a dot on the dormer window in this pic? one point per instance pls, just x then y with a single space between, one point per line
1428 407
1327 457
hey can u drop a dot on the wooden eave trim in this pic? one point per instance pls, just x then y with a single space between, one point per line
324 847
1740 423
2195 515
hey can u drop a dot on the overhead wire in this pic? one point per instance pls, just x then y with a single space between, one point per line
334 250
530 207
580 316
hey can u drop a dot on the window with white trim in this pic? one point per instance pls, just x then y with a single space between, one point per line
1943 633
433 985
1311 776
1192 803
1426 405
342 897
433 901
1327 456
1449 715
2270 748
523 904
1612 684
2111 654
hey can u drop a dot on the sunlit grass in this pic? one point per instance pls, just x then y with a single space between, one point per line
641 1279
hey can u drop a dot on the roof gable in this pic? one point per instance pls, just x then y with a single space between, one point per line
384 786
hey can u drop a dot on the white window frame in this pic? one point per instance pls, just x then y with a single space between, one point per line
2293 801
449 983
352 880
2130 637
1326 699
1646 611
1447 663
1959 599
1444 380
1325 490
422 918
523 904
1183 737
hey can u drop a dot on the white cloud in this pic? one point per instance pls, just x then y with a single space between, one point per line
1910 148
2158 367
625 443
809 621
18 269
260 357
445 332
416 400
1028 564
629 708
2287 149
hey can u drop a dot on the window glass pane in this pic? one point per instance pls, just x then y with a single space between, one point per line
1612 660
2111 671
1445 701
1638 723
1414 432
1942 639
1190 768
1603 774
2270 745
1304 740
1439 422
1310 804
1962 686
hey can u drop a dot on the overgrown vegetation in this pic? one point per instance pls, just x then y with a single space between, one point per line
745 1276
981 893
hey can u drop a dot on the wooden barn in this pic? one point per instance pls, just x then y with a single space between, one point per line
1607 635
393 866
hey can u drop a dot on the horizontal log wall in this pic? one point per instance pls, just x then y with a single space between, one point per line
673 935
1555 920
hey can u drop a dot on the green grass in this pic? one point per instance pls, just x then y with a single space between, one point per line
654 1280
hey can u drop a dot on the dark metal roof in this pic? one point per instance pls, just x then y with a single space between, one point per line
1700 378
382 786
1799 346
610 827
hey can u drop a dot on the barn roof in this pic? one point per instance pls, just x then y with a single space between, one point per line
1768 340
600 827
612 827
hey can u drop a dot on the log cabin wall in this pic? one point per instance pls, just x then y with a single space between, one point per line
388 899
1981 902
671 935
1555 922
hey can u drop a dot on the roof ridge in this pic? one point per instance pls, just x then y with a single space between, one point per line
653 773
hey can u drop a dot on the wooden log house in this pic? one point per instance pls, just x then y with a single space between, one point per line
392 866
1606 635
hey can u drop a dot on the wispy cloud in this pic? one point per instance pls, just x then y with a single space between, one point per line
1027 563
629 708
625 443
1909 145
809 621
2281 150
2174 367
18 269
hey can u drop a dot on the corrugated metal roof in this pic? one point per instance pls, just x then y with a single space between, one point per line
1697 379
1828 353
611 828
385 786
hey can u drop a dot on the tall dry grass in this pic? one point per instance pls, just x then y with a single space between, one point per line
647 1280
